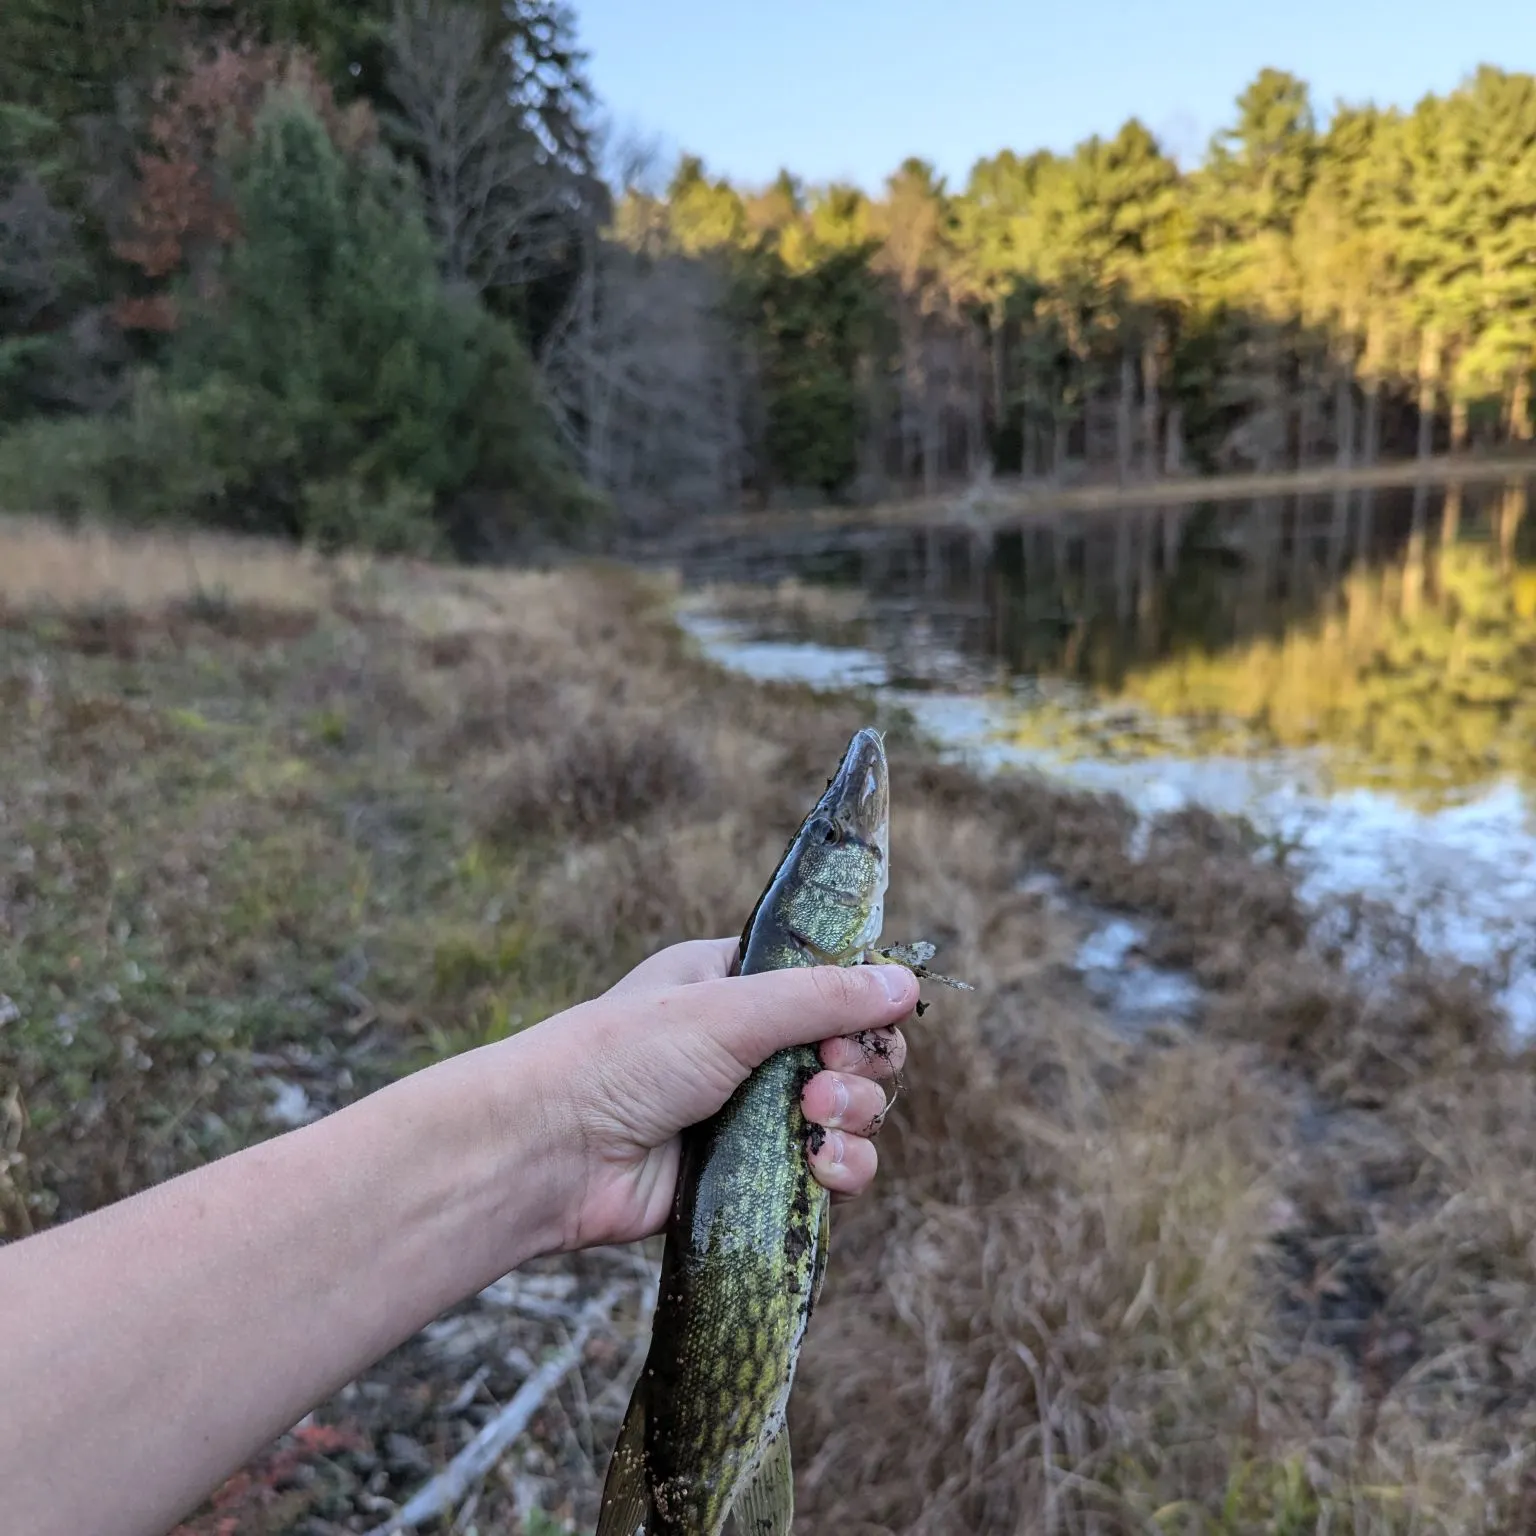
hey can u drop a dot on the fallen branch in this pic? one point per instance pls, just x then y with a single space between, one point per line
477 1458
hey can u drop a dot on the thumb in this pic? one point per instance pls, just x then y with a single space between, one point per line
754 1016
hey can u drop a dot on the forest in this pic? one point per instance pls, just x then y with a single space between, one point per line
383 274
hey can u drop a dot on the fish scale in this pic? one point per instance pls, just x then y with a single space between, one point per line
704 1440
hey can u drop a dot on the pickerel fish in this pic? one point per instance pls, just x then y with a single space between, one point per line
704 1440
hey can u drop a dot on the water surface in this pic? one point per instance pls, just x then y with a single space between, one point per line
1355 674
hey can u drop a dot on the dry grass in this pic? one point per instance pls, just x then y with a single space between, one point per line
590 775
1276 1274
42 563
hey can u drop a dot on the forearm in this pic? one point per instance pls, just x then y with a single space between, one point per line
149 1349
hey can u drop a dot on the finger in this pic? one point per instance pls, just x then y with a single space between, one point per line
680 965
878 1053
754 1016
843 1162
843 1102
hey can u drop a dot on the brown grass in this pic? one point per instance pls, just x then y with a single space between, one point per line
42 563
586 776
1273 1274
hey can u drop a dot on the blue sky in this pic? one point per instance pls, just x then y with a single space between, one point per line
848 88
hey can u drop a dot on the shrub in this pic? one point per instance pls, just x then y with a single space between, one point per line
325 385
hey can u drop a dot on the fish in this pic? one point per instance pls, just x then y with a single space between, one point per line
704 1441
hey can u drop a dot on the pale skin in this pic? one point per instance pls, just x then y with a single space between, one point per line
150 1349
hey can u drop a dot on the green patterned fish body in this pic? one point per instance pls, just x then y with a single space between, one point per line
704 1438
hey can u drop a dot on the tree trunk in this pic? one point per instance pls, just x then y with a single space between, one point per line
1450 511
1370 426
1123 416
911 435
1173 448
999 369
932 442
728 465
1058 448
978 451
586 353
931 426
872 446
1429 389
1344 420
1370 429
1151 406
1344 457
1308 416
1520 407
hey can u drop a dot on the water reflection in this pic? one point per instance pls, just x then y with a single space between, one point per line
1355 672
1392 632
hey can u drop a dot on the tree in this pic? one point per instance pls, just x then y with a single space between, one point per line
499 197
321 381
913 222
644 368
183 216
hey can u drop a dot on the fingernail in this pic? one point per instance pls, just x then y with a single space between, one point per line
839 1098
896 980
835 1148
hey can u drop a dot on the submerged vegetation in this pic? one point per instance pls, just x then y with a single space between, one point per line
278 828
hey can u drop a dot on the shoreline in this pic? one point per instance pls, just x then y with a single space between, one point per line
1001 503
1343 840
416 809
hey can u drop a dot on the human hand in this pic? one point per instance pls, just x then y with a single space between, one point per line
667 1046
239 1295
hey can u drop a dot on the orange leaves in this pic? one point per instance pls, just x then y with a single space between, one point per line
183 213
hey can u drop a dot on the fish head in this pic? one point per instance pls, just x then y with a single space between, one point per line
834 899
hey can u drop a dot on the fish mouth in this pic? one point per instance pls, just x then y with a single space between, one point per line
858 800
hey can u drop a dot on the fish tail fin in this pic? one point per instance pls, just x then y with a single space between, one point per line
626 1509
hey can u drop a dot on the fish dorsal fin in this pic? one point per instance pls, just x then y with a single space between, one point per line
766 1504
626 1506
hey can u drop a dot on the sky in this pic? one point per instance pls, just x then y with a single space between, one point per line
847 89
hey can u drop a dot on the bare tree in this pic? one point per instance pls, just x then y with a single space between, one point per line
643 377
36 245
642 371
500 204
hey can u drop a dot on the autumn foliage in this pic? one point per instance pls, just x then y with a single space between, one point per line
183 212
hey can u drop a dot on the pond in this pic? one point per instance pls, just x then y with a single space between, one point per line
1354 672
